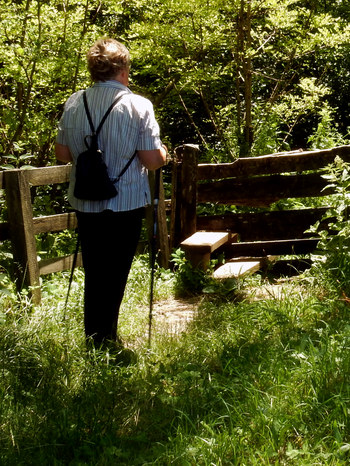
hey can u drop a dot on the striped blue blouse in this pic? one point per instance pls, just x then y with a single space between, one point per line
130 126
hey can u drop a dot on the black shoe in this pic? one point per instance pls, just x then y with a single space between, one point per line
114 351
119 354
124 357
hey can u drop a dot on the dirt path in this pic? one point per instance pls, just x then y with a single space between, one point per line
175 314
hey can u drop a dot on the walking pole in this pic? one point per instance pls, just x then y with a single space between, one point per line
74 263
153 250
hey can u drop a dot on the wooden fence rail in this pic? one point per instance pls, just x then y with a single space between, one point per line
22 227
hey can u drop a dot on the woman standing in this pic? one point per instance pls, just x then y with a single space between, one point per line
110 229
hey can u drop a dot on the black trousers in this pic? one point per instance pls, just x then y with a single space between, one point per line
108 243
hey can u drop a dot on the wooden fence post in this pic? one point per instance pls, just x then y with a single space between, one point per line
20 220
184 194
162 235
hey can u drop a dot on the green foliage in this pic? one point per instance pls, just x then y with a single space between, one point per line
191 58
206 60
334 244
6 285
270 137
189 280
327 134
41 46
56 244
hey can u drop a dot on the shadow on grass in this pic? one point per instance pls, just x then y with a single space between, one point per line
243 379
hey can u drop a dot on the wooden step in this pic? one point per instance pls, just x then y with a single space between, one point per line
236 269
205 241
241 266
199 246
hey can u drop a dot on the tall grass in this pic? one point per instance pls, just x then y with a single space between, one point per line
254 382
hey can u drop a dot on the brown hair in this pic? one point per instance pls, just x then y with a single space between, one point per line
106 58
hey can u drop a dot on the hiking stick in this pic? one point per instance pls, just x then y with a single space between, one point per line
74 263
153 249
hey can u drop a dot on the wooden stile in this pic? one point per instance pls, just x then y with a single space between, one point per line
257 182
252 181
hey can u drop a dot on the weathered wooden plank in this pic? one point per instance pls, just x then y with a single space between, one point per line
58 264
59 222
264 226
40 176
48 175
175 236
205 241
199 246
163 234
184 182
276 248
187 186
20 219
163 251
262 191
236 269
276 163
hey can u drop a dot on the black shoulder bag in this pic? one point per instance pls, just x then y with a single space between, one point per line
92 181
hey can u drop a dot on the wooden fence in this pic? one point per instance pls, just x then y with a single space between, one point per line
251 182
22 227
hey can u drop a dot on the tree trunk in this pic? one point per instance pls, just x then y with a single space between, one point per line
244 79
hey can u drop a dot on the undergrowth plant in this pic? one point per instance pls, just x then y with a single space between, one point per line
190 281
333 254
6 259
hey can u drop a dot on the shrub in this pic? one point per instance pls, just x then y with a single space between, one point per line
333 259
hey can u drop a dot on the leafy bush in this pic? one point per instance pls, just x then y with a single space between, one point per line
326 134
333 259
189 280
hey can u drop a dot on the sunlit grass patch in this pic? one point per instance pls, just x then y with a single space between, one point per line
246 382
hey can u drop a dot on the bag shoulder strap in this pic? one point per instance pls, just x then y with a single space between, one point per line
95 133
88 113
110 108
126 166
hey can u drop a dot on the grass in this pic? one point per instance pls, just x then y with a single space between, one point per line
251 382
